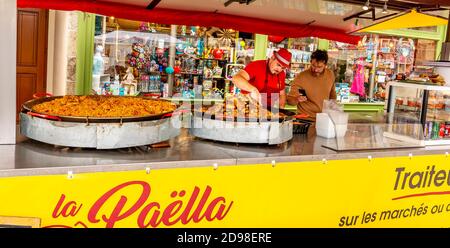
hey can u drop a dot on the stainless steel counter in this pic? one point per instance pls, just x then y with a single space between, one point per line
29 157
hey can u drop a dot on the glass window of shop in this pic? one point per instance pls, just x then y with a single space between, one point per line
347 62
403 56
399 55
133 58
394 56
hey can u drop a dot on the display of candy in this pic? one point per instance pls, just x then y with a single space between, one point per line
139 57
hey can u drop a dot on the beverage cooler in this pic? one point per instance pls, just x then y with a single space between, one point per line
424 103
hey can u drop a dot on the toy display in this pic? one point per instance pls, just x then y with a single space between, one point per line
358 80
129 83
140 60
342 92
217 72
139 56
233 69
218 53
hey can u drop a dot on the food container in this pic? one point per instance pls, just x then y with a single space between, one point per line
301 126
447 105
399 101
412 102
419 104
440 105
432 102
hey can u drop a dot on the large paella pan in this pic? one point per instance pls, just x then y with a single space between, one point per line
98 109
102 122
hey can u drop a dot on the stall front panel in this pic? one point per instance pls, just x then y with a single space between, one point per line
374 192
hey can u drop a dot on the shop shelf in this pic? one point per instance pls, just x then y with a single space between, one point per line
189 73
437 142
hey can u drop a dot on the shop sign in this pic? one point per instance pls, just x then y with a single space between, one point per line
376 192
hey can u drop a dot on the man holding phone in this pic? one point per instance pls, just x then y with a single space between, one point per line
312 86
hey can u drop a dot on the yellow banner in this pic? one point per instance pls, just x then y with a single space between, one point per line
382 192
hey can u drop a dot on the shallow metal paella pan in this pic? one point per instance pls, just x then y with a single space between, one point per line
27 108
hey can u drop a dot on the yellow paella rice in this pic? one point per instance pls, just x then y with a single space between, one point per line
103 106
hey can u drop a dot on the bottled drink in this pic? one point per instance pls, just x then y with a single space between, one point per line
441 130
435 134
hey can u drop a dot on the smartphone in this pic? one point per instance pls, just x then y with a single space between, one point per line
302 92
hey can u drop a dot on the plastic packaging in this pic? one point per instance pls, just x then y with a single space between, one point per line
332 122
412 101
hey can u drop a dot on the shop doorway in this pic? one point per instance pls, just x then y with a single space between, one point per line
31 54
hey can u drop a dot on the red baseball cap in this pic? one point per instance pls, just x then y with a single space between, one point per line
283 56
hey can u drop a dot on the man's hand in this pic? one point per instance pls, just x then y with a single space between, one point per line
302 99
255 95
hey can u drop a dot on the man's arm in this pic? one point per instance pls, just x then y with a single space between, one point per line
333 88
241 79
333 92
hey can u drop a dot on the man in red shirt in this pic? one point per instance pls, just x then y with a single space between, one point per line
264 79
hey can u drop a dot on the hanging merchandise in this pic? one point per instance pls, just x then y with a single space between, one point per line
144 27
160 48
190 50
162 61
177 67
218 53
226 36
370 47
405 51
241 45
200 47
179 48
169 70
358 80
154 67
217 71
139 56
193 30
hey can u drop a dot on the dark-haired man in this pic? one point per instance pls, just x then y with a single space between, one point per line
318 85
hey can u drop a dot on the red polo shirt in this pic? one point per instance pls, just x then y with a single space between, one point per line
263 80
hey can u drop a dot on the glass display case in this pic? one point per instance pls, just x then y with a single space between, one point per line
369 131
377 136
424 103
